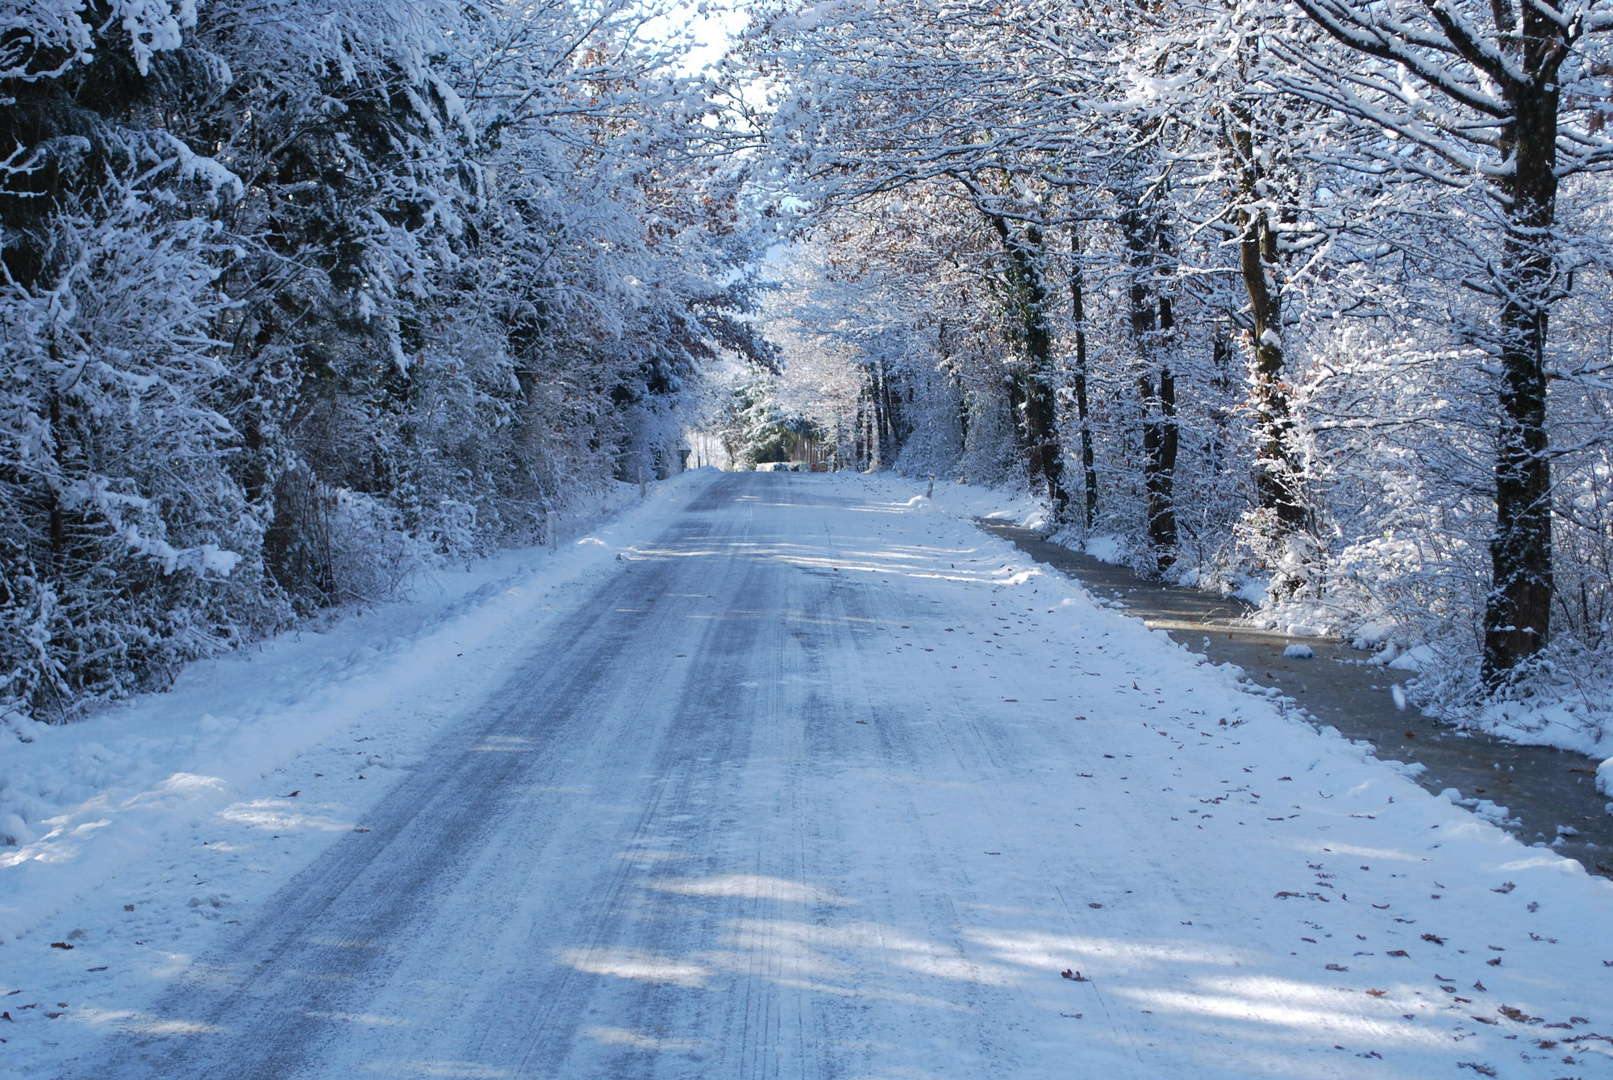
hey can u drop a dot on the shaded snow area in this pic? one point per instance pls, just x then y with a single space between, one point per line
1582 726
781 774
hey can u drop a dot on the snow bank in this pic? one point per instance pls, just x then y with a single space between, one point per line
1583 726
1012 505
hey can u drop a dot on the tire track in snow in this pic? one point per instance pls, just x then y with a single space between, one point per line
266 1001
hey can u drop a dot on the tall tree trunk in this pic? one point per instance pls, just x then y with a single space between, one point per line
1517 612
1215 448
58 519
871 429
1276 471
963 430
1152 319
1276 468
888 426
1037 406
1089 470
1160 441
1522 61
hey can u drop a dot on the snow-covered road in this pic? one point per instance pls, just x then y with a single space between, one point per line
825 783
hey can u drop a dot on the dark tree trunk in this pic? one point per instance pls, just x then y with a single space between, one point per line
1517 612
1089 471
1523 61
1037 405
1152 319
1215 448
1276 471
963 423
887 411
58 520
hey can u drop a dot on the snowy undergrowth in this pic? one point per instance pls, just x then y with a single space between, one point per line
83 803
1566 702
1008 503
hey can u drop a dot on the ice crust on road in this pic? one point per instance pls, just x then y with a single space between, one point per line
816 780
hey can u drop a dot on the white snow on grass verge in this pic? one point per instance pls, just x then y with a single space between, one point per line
1583 726
1016 507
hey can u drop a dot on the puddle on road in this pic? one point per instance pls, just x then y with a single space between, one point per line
1541 787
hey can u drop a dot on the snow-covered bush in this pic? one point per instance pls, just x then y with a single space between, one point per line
298 295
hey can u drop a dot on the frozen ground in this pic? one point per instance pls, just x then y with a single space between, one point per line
817 780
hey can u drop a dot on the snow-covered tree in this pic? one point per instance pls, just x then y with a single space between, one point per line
300 295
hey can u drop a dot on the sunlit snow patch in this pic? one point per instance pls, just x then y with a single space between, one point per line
628 963
750 886
615 1036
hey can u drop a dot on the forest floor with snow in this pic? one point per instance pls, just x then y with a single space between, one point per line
779 771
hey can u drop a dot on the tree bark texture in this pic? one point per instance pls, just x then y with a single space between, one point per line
1517 613
1151 321
1089 470
1277 472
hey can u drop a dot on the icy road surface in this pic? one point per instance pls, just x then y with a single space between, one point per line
822 783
